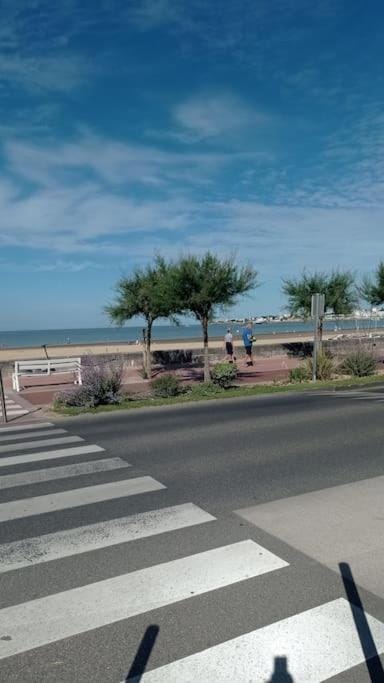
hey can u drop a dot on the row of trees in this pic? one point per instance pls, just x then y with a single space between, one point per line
200 286
203 286
340 288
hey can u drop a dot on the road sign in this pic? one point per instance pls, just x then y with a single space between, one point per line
317 305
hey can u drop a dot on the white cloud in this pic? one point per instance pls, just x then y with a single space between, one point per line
55 266
208 115
80 219
84 199
150 14
114 162
42 72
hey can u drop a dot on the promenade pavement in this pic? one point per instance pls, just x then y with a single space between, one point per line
40 391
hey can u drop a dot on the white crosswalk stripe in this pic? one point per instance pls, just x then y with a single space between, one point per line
318 643
49 455
46 620
13 408
95 536
69 499
25 427
39 444
351 395
32 435
52 473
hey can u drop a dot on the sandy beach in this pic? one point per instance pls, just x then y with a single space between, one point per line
75 350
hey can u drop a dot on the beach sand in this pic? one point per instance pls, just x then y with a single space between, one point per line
75 350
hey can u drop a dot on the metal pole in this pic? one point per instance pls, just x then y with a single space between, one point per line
2 400
314 355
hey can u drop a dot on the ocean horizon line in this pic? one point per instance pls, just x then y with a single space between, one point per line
161 332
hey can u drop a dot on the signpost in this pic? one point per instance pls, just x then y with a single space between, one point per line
2 400
317 313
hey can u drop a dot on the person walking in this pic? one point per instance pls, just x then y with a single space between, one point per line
248 340
228 342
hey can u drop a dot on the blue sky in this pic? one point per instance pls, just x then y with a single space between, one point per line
180 126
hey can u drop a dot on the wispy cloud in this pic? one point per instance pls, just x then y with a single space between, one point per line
53 266
42 73
150 14
116 163
34 53
110 228
209 115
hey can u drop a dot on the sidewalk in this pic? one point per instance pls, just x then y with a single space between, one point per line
41 390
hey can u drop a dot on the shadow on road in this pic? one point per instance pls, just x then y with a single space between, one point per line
143 654
368 646
280 672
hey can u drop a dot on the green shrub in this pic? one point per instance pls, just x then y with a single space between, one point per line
223 374
300 374
165 386
360 363
205 389
325 366
102 381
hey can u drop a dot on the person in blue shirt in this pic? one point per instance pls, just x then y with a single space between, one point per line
248 340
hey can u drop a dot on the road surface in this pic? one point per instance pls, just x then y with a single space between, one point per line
239 540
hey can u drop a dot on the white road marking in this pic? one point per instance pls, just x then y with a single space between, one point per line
26 427
318 644
32 435
26 507
49 455
39 444
53 546
63 472
66 614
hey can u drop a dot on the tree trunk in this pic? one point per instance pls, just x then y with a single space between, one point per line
207 372
144 332
148 359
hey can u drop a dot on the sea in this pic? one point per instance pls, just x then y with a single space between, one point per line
30 338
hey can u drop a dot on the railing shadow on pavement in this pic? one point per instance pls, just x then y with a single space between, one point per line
372 659
143 654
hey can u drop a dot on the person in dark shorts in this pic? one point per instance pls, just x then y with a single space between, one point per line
248 340
228 341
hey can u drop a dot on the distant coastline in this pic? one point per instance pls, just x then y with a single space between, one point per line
129 348
167 333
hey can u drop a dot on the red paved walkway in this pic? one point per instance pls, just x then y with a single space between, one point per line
41 390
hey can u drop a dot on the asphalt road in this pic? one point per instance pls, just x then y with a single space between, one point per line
247 464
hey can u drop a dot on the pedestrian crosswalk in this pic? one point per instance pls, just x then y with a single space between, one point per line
322 642
13 408
370 396
319 642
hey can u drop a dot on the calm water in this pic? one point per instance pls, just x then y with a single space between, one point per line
160 332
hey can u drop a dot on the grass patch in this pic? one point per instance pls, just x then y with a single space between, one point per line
201 392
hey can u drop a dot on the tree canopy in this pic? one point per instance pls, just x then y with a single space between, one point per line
338 288
372 290
149 293
207 284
